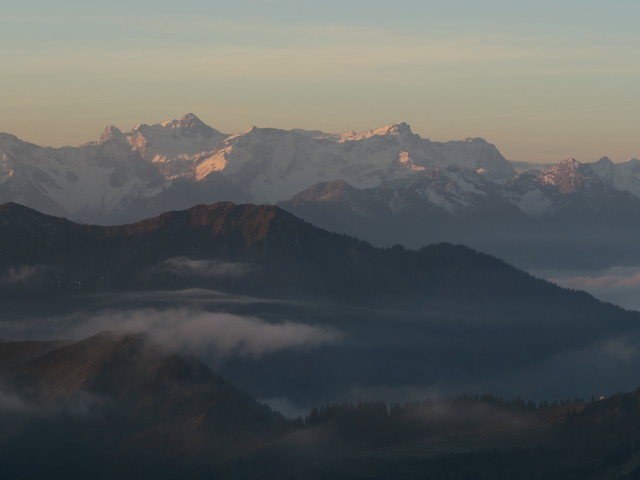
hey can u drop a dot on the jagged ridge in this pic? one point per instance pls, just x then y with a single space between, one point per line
151 168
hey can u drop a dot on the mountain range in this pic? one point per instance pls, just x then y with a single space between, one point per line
569 215
105 383
387 186
176 164
267 292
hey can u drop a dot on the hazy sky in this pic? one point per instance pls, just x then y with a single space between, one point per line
542 80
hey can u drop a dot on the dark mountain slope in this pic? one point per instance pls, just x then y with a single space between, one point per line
443 316
285 256
116 405
120 406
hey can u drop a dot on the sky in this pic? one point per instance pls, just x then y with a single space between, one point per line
543 80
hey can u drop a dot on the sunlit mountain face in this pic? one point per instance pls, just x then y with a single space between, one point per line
177 164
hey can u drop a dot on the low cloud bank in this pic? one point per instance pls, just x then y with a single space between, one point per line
224 334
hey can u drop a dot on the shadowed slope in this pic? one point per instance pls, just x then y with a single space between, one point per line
121 403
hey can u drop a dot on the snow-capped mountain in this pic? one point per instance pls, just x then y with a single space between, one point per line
571 184
451 190
590 212
621 176
127 176
75 181
456 190
386 185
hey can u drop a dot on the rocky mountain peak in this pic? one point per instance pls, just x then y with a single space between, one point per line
568 175
474 140
401 129
186 121
111 133
167 164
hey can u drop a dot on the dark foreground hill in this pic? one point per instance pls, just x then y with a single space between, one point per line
259 250
120 406
113 405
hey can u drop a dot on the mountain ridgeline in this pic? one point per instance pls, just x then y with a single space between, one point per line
129 176
441 317
570 215
273 252
386 185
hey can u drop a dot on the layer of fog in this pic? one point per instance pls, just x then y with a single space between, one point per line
203 322
220 333
294 355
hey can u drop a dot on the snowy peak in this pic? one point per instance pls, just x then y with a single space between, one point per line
569 184
477 140
472 153
395 130
111 133
620 176
186 121
320 135
173 143
183 162
570 163
188 126
568 175
266 131
451 191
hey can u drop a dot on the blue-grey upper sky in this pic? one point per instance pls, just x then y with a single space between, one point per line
542 80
